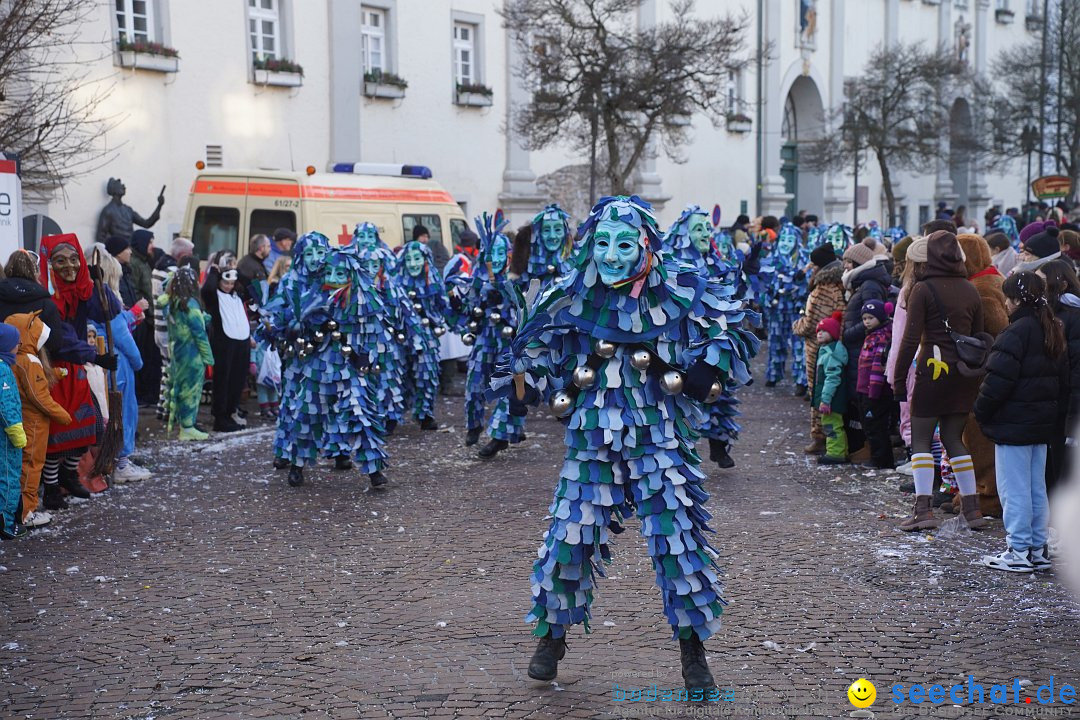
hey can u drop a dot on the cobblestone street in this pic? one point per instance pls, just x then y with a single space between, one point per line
217 591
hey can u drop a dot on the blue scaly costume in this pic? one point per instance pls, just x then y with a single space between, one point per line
785 299
428 298
605 357
546 264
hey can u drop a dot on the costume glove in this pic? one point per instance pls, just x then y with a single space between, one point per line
106 361
16 434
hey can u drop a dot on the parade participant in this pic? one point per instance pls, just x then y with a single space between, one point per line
64 269
830 390
550 247
784 300
422 283
826 296
485 307
189 351
625 347
688 240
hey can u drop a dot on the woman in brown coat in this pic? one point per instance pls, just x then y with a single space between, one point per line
942 396
826 297
978 263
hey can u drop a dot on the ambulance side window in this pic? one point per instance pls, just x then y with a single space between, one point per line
265 222
457 226
432 222
215 228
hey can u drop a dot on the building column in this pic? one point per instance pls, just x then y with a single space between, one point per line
943 185
979 200
346 76
647 181
774 199
837 196
520 199
892 22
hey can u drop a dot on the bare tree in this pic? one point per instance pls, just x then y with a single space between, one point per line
600 79
893 110
50 111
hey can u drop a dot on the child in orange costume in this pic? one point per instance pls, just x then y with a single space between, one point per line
39 408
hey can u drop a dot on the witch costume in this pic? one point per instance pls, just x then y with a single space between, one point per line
626 348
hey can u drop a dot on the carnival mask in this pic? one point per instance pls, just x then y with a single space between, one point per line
414 262
497 255
314 256
616 250
837 238
336 276
700 230
553 232
367 236
65 263
373 265
723 244
785 245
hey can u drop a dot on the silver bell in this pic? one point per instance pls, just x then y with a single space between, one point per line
300 342
412 294
640 359
331 325
473 326
302 354
550 269
319 336
439 331
364 369
309 348
346 350
478 312
417 307
336 335
604 348
715 391
376 368
507 332
584 376
495 317
400 337
468 338
562 404
425 322
672 382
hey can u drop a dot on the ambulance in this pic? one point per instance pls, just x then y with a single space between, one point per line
227 207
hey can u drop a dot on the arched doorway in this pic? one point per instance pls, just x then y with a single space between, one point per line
803 118
961 134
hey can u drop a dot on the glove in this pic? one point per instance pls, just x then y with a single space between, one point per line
800 276
494 298
253 368
106 361
16 435
699 380
519 408
824 409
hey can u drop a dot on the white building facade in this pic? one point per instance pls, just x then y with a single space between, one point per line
221 103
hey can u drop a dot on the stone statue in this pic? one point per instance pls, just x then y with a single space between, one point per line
119 220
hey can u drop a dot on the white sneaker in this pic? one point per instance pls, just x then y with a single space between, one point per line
1039 558
905 469
1009 561
37 518
238 419
129 472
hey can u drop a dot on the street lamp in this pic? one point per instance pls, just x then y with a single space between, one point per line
1028 140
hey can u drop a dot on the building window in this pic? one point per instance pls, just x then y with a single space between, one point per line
1002 4
465 71
373 40
135 21
733 93
264 26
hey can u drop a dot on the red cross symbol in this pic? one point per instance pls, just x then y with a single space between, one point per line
345 237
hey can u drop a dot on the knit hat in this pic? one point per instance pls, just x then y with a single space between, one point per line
860 253
917 250
140 241
116 245
1044 244
469 238
831 324
900 249
1032 229
419 230
877 308
823 255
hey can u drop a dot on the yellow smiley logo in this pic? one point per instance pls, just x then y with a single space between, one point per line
862 693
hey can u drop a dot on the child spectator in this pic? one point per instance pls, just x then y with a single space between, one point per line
1022 399
14 436
830 392
230 338
189 351
35 376
874 395
281 266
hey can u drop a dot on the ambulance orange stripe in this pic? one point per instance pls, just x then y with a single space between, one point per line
318 192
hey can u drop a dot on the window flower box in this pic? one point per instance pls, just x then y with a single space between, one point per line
384 85
475 95
281 73
1034 23
1004 16
148 56
739 123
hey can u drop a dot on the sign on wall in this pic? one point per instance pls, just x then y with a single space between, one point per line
10 207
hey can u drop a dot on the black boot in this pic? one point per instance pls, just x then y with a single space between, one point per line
695 668
377 479
493 448
718 453
296 475
544 664
69 480
472 436
54 497
391 426
342 462
770 383
429 423
280 463
800 390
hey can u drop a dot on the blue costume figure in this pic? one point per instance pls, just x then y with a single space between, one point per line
420 280
626 348
786 298
689 241
486 308
1007 225
840 236
14 439
550 246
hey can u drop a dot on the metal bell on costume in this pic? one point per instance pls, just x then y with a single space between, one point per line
478 312
425 322
495 317
672 382
376 368
715 391
331 325
468 338
550 269
346 350
561 404
604 348
412 294
336 335
584 376
439 331
640 359
319 336
473 326
507 332
309 348
400 337
417 307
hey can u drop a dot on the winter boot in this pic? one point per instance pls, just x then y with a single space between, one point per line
391 426
377 479
969 507
544 664
429 423
493 448
770 383
695 668
472 436
718 453
69 480
800 391
922 516
342 462
280 463
296 476
54 497
192 433
816 446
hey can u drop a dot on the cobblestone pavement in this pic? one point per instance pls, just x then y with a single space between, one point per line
215 590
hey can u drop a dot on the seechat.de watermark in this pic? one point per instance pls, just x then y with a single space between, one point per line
973 692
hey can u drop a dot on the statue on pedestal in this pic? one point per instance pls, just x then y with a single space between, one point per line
119 220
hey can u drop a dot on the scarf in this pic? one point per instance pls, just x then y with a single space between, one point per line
66 295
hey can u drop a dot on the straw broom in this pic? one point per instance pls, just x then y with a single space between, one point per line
113 440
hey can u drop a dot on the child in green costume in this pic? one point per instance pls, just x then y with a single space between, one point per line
830 393
189 349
